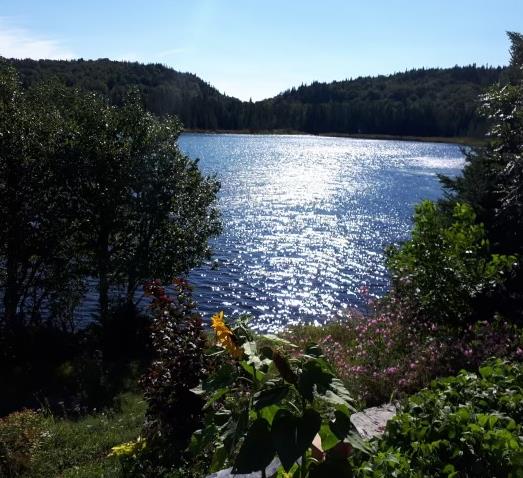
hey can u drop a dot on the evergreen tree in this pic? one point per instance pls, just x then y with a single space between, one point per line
492 180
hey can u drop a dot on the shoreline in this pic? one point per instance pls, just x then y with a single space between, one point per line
461 140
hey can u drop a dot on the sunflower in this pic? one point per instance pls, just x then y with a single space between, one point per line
225 336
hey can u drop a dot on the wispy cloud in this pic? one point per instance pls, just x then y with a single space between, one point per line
18 42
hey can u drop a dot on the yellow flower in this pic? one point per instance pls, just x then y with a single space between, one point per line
129 448
217 320
225 336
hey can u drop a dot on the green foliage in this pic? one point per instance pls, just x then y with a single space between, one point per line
262 404
92 190
81 448
42 446
447 265
422 102
492 179
292 436
468 425
21 433
39 263
147 211
504 108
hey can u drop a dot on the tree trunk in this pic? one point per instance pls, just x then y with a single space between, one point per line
11 288
11 296
103 277
131 289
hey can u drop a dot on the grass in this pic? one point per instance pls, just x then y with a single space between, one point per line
301 335
79 448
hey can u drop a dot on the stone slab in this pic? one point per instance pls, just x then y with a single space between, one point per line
371 422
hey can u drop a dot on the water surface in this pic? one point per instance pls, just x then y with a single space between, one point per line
306 220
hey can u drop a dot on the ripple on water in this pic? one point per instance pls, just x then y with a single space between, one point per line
306 220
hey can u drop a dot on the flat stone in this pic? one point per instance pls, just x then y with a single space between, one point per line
371 422
270 471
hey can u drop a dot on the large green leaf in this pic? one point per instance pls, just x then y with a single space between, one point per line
328 439
337 394
284 368
269 396
252 371
293 435
257 450
341 425
313 378
354 439
278 340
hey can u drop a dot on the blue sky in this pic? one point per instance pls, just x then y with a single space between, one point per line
258 48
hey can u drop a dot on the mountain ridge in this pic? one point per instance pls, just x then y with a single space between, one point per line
435 102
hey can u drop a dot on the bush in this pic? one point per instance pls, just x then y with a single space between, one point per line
80 372
446 269
20 435
174 410
468 425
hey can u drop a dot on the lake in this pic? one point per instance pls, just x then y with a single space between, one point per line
307 218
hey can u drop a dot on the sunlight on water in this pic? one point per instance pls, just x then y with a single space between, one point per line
307 218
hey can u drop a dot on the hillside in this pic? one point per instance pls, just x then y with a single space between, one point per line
165 90
422 102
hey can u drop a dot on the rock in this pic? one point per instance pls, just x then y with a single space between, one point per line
270 471
372 421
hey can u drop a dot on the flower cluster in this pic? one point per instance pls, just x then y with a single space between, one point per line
391 353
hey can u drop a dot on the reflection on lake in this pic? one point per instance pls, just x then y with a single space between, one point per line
306 219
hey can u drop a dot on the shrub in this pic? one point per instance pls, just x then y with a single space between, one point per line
78 374
20 434
468 425
386 354
174 409
492 178
446 268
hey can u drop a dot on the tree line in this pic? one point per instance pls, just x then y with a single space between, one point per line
419 102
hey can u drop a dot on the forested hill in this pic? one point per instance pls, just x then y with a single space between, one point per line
422 102
166 91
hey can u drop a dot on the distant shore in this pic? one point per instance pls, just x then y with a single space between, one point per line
465 141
